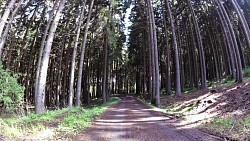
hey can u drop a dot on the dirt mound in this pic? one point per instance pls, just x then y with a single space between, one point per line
204 105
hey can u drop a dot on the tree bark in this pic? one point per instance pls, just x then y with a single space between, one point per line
72 71
239 73
176 52
167 50
200 47
80 71
7 28
42 45
243 21
5 15
40 96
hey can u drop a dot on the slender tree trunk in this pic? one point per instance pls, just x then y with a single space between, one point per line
228 38
42 45
80 71
214 57
144 67
72 72
151 48
239 74
40 96
150 74
104 80
5 15
243 21
167 50
59 75
176 53
200 47
7 28
156 58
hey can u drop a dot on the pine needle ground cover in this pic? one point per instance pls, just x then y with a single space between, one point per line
56 124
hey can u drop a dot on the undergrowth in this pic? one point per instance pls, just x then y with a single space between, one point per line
67 121
228 81
231 126
11 92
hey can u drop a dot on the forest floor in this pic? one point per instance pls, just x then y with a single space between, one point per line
132 120
222 111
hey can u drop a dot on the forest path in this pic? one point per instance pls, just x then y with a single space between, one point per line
132 120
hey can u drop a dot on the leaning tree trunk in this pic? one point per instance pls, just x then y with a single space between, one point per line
177 60
200 46
72 71
239 73
228 37
3 37
5 16
40 96
79 81
243 21
42 45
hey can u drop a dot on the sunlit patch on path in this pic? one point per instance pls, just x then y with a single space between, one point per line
131 120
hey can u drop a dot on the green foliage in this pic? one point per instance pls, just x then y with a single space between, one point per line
247 72
83 119
247 121
235 126
224 122
112 38
11 93
228 81
69 120
190 90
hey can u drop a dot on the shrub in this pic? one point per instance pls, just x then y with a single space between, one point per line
11 93
247 72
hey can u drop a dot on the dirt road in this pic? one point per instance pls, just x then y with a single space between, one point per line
131 120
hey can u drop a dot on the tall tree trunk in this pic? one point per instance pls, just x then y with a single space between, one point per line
156 59
151 51
167 50
104 80
72 71
239 73
80 71
3 36
176 52
156 73
55 8
40 96
150 74
228 38
144 83
5 15
243 21
200 47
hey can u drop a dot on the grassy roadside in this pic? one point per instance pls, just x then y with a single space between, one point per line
235 127
64 123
